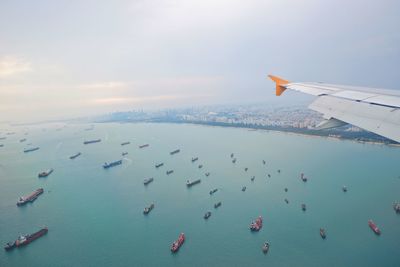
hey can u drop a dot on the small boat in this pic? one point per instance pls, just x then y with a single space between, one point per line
207 174
265 247
213 191
125 143
192 183
207 215
286 189
245 169
303 178
91 141
322 233
112 164
396 207
287 201
31 149
217 205
234 161
195 159
243 188
257 224
75 155
344 188
269 175
252 178
303 207
148 180
374 227
174 152
143 146
45 173
264 162
147 210
200 166
159 165
178 243
279 171
232 155
169 172
124 153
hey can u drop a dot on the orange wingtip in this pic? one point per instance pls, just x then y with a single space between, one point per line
279 82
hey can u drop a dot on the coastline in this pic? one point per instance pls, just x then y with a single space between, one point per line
288 130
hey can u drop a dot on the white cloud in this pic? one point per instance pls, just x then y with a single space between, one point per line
11 65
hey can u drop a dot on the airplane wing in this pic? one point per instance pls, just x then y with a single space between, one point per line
375 110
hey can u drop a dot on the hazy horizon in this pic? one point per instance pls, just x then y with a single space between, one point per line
65 59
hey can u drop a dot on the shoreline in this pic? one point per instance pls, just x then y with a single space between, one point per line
249 128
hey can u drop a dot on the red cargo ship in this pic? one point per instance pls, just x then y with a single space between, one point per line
257 224
374 228
178 243
30 198
26 239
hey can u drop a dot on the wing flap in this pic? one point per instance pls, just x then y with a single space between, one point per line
382 120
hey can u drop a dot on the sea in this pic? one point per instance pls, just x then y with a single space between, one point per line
95 215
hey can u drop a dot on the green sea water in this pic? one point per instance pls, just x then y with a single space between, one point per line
95 216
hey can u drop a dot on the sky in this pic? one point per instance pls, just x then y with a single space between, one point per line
64 59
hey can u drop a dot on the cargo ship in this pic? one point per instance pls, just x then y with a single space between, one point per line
195 159
143 146
169 172
31 149
207 215
217 205
30 198
75 156
148 180
112 164
213 191
373 227
174 152
24 240
257 224
147 210
125 143
178 243
45 173
159 165
303 178
322 233
91 141
192 183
